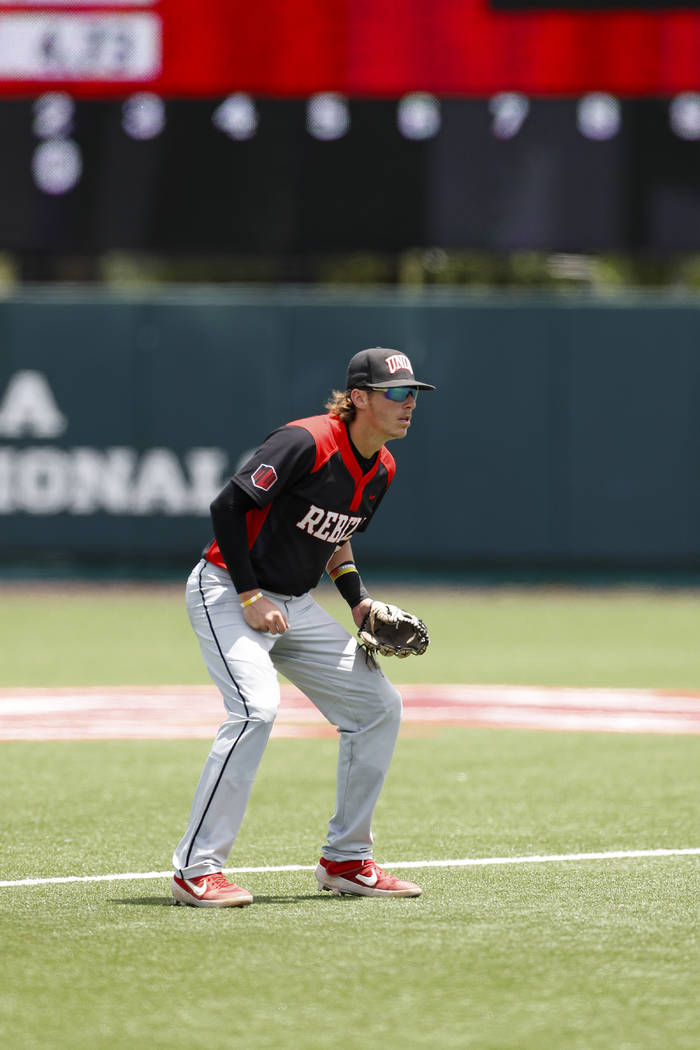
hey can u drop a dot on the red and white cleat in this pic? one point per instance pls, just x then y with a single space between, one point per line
361 877
209 891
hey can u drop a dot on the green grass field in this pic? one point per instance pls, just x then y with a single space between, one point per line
118 635
567 955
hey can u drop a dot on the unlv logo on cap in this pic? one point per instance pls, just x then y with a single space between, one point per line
397 361
264 477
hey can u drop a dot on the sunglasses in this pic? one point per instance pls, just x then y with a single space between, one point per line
400 393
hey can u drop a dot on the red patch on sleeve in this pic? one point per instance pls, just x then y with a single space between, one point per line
264 477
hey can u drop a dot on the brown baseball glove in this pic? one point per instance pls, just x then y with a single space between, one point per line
392 631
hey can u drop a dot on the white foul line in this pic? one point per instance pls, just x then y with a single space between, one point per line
464 862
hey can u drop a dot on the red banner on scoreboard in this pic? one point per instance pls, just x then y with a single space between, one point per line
376 48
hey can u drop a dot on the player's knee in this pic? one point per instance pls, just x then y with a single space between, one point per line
265 713
261 708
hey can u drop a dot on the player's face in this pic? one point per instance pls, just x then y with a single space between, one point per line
390 418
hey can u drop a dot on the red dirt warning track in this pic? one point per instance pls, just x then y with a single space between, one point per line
182 712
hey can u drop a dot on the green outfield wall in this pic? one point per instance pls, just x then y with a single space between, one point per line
564 432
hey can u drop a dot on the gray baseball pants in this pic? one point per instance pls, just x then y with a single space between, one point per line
323 660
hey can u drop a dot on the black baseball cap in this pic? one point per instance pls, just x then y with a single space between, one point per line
379 369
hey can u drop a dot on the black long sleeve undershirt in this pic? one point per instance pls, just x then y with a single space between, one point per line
228 515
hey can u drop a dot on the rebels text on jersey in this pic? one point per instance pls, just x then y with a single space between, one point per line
311 494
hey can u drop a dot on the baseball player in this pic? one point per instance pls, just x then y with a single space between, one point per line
286 516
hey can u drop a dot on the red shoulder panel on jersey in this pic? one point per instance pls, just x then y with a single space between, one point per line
326 432
331 436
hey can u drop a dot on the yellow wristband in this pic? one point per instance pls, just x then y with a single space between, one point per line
341 570
249 601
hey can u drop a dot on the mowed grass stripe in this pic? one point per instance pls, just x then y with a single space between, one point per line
463 862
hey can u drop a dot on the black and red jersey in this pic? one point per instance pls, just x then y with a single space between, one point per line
311 491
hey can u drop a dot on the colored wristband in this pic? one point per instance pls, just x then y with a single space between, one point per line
349 583
249 601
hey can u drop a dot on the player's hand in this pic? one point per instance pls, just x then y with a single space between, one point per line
360 611
265 616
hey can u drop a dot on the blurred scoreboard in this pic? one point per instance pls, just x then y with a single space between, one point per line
292 177
369 48
280 127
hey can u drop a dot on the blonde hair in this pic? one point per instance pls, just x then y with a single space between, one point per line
340 404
